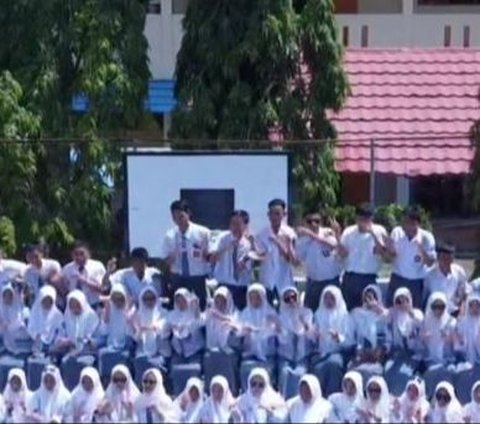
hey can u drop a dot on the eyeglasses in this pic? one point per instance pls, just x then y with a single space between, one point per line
374 390
439 306
290 299
149 382
442 397
313 221
120 380
259 384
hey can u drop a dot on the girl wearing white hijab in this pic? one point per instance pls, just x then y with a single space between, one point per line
261 403
186 323
13 315
412 406
295 325
446 408
218 407
438 335
471 411
153 404
120 397
16 396
150 324
52 402
346 403
87 396
309 407
46 320
377 405
190 401
333 335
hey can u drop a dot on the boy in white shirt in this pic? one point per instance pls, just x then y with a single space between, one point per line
362 246
412 250
316 249
10 270
186 251
275 246
231 256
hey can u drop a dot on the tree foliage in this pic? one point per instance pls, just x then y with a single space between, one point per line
58 49
246 67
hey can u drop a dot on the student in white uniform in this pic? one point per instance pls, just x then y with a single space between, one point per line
10 270
185 249
16 396
191 400
446 409
137 276
377 406
346 403
84 273
362 246
449 278
218 407
412 250
87 396
412 406
233 266
471 411
40 270
316 249
275 245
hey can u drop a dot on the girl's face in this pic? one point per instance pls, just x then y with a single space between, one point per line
118 299
476 394
442 397
257 385
438 308
75 307
7 296
194 394
149 300
181 303
15 384
47 303
255 299
217 393
305 392
87 384
402 303
374 392
474 308
120 380
370 297
149 383
329 300
412 392
349 387
220 303
290 298
49 382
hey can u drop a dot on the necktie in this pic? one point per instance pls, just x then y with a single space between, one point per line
235 262
149 415
185 266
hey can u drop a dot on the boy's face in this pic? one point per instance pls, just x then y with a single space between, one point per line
180 218
80 256
237 225
313 222
276 214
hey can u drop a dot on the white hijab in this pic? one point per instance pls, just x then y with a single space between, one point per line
382 407
293 319
118 326
452 413
85 403
251 406
366 320
191 410
316 411
435 326
17 400
402 322
472 409
344 406
115 397
218 412
79 327
182 320
42 322
55 404
409 408
11 316
157 399
469 328
219 324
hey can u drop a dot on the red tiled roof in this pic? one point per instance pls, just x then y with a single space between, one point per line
417 104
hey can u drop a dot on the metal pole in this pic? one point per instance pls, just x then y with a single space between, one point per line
372 172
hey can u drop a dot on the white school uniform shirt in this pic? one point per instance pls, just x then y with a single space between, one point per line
275 271
224 268
320 261
35 277
11 269
360 258
198 239
129 279
437 281
94 270
344 407
407 262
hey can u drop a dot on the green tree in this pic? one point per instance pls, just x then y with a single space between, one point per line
241 73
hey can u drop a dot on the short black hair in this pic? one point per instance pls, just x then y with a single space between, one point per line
309 212
364 210
277 202
139 253
241 214
413 213
37 247
446 247
180 205
80 244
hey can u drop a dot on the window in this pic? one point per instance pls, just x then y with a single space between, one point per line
179 7
154 7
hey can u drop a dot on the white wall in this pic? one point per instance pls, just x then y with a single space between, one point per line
154 181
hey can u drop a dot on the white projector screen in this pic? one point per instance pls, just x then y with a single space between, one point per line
154 180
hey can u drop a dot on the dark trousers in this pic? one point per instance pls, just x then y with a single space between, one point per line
239 295
314 290
415 287
195 284
273 298
353 285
